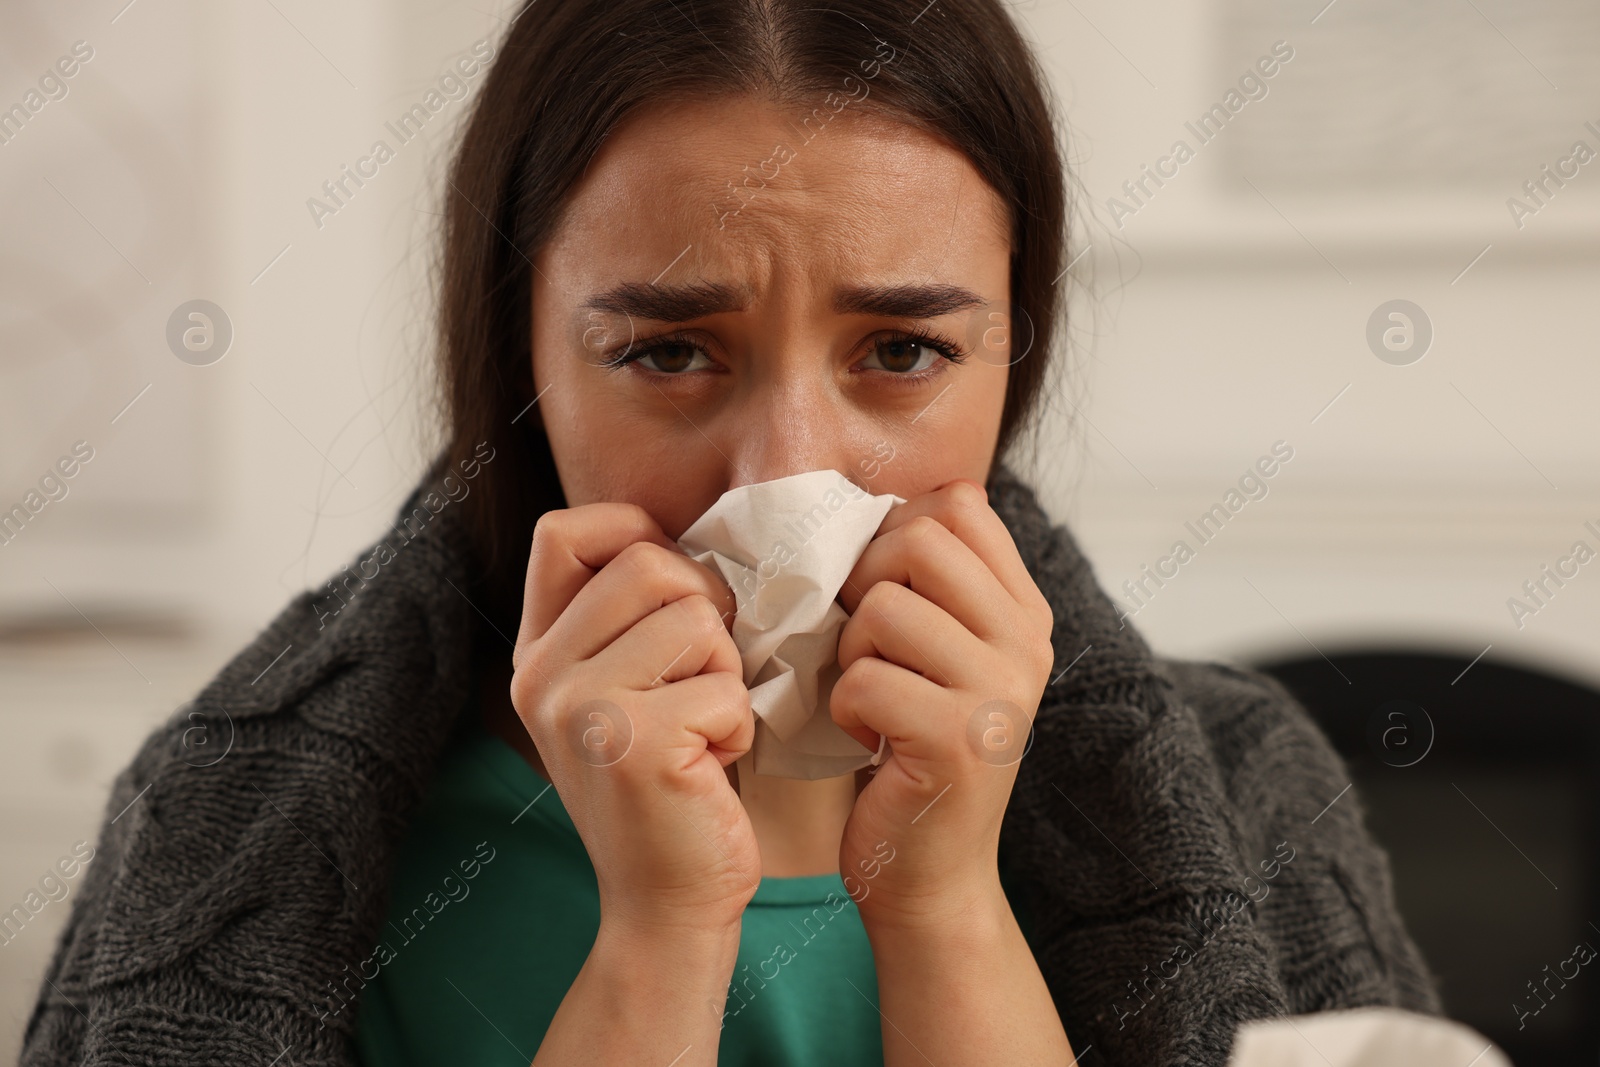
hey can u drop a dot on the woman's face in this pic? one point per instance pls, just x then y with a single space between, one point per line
792 277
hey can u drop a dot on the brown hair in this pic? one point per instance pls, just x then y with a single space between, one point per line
570 70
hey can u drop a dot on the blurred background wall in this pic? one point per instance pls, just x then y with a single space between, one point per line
1239 300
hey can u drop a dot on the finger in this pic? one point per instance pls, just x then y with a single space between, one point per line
904 627
925 556
876 698
677 640
569 547
716 715
962 507
642 578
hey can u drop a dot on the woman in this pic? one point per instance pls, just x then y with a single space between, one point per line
690 248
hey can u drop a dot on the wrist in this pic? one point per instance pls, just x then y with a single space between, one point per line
651 943
643 995
980 909
693 963
644 914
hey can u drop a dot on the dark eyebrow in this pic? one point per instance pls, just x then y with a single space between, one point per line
905 301
668 303
684 303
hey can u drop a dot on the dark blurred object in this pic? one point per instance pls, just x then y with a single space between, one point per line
101 622
1483 784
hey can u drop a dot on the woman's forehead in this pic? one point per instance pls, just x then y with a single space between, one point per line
735 188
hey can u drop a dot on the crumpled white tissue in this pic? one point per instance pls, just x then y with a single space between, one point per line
785 547
1370 1037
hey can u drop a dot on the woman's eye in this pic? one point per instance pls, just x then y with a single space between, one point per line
670 357
904 355
674 357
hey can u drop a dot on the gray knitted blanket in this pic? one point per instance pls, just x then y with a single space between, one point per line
1170 828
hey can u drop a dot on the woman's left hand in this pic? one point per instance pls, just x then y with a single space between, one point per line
947 652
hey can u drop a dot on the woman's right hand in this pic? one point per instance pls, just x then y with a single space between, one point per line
628 681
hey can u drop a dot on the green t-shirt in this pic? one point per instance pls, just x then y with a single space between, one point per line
494 907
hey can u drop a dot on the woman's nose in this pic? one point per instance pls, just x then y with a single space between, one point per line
788 431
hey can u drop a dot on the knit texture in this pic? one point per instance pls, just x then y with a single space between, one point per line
1170 830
